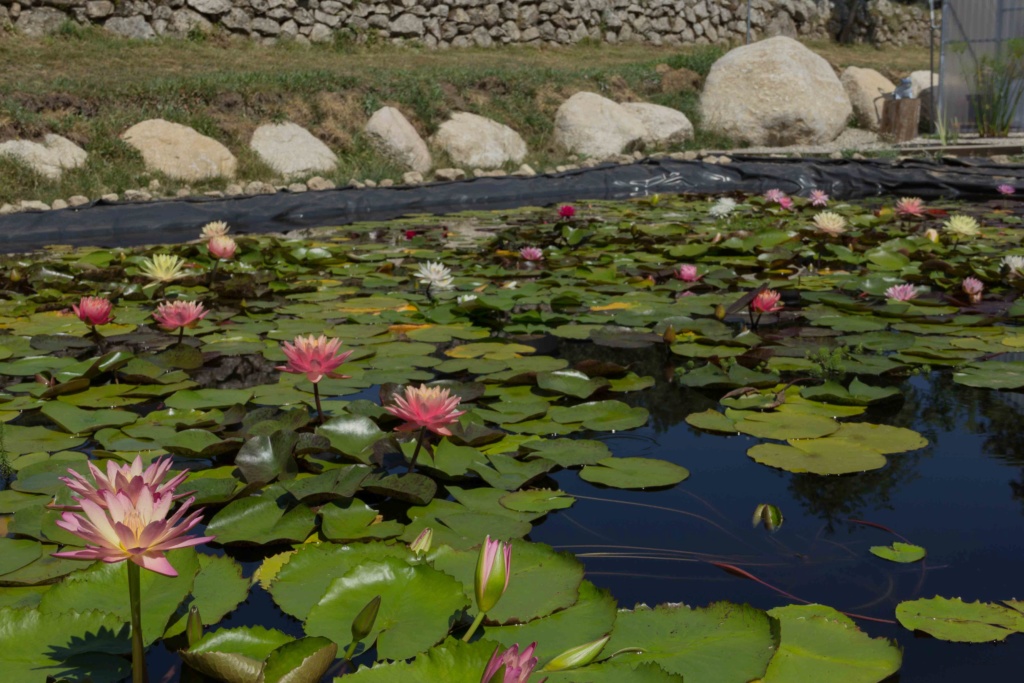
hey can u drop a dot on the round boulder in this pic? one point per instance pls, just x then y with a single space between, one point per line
665 126
479 142
774 92
865 88
49 159
594 126
396 138
291 150
180 152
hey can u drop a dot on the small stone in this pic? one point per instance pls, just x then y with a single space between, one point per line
215 194
1000 158
356 184
8 209
370 183
183 192
59 204
562 168
479 173
525 171
724 160
835 155
154 185
234 190
412 178
387 182
316 183
857 156
297 187
109 197
137 196
257 187
78 200
449 174
690 155
33 205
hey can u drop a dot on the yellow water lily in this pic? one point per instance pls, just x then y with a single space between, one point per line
163 267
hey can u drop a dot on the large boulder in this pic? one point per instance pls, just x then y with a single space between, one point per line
594 126
865 88
922 81
395 137
291 150
665 126
179 152
479 142
48 159
774 92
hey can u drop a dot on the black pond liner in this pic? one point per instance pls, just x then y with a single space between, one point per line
126 224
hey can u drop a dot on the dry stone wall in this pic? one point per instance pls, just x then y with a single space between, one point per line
465 23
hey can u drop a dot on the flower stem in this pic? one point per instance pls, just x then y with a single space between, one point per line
351 650
181 334
138 650
473 628
213 272
319 410
416 453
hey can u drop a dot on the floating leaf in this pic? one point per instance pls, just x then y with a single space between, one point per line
817 456
899 552
959 621
634 473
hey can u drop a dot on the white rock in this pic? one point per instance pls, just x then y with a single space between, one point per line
291 150
33 205
412 178
211 6
472 140
179 152
449 174
396 138
865 87
524 171
922 80
316 183
665 126
78 200
774 92
594 126
298 187
48 159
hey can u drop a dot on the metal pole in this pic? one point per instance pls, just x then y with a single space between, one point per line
931 63
748 22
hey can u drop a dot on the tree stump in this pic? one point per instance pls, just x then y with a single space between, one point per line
900 119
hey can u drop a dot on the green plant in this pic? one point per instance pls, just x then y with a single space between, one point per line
995 82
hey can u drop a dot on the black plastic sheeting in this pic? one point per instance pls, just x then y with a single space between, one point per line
128 224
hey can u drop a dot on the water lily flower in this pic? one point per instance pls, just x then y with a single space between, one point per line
819 198
511 284
465 298
177 315
127 479
910 207
1006 189
901 292
314 357
829 223
687 272
215 229
221 247
435 275
567 211
163 268
421 544
722 208
511 665
93 310
786 203
973 288
138 531
531 253
962 226
932 235
1014 265
493 570
423 407
774 195
766 301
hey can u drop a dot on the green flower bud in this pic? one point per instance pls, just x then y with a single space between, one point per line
363 623
578 656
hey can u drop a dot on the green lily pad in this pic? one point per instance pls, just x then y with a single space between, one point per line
899 552
991 375
601 415
452 661
235 655
858 393
537 500
634 473
570 383
204 399
817 456
15 554
959 621
353 435
782 426
818 643
271 515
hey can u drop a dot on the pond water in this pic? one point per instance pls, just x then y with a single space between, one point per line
636 378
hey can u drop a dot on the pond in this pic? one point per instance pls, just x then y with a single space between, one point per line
634 380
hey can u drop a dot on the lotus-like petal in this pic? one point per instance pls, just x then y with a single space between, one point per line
314 357
430 407
174 315
93 310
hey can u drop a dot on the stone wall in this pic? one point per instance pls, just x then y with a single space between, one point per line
464 23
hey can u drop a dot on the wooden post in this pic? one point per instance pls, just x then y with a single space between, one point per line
900 119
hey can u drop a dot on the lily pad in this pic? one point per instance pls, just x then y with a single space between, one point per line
634 473
817 456
959 621
899 552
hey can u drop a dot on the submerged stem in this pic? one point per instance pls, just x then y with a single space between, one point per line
473 628
319 409
138 649
416 453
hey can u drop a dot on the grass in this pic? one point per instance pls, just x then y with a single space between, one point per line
225 88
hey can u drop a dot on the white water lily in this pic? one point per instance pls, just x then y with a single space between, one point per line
466 298
722 208
830 223
214 229
1014 264
163 267
436 275
962 226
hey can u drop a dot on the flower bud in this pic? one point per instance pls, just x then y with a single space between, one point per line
578 656
193 627
422 544
769 515
363 623
493 569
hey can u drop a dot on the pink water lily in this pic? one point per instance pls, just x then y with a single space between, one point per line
431 408
127 479
687 272
567 211
766 301
774 195
1005 189
901 292
517 665
314 357
786 203
818 198
138 531
222 247
973 288
910 207
177 315
531 253
93 310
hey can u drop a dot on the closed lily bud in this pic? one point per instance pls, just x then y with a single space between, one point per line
578 656
422 544
363 623
670 335
493 569
193 627
769 515
932 234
